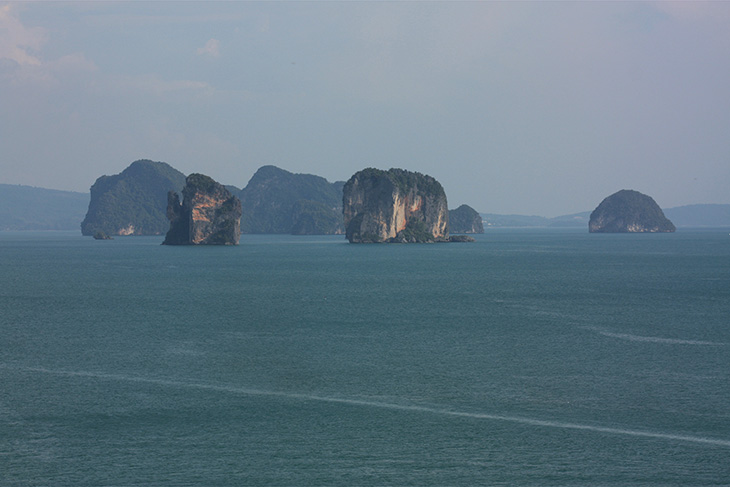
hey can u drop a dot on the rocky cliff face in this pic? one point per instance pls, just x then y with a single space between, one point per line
208 215
465 219
132 202
394 206
629 211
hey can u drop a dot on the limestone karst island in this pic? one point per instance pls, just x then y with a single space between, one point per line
629 211
395 206
208 215
391 206
465 219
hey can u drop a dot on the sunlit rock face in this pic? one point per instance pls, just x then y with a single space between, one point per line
394 206
629 211
208 215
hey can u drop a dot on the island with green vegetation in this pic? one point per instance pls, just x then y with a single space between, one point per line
133 202
465 219
278 201
629 211
394 206
208 215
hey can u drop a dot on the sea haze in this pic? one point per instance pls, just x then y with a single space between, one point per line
531 357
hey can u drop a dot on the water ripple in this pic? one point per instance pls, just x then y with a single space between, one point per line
381 405
653 339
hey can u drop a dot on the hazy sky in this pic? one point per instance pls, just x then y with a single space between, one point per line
532 108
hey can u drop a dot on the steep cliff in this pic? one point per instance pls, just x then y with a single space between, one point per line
465 219
394 206
209 214
133 202
629 211
278 201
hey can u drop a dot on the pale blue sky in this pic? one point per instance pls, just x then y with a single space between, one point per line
532 108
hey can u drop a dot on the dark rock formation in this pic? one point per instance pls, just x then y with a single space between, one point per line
461 238
99 235
465 219
394 206
627 212
208 215
278 201
133 202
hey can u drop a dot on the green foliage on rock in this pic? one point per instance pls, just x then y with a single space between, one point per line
315 218
278 201
401 179
629 211
416 231
465 219
133 202
201 183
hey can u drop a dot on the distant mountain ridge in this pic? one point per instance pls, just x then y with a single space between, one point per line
31 208
516 221
699 215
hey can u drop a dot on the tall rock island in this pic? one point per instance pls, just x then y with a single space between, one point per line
133 202
208 215
394 206
629 211
465 219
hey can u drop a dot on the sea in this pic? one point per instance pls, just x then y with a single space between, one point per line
531 357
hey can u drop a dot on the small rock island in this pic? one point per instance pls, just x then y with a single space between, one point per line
394 206
629 211
465 219
208 215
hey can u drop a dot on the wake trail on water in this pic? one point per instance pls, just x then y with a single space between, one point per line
378 404
651 339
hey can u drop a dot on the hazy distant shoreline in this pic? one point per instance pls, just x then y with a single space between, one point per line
32 208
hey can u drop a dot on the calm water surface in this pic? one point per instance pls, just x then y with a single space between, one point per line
528 358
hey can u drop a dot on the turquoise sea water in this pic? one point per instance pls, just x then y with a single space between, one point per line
528 358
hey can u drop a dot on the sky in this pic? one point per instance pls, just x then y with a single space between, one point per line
527 108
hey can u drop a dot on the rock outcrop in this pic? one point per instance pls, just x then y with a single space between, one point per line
208 215
465 219
629 211
278 201
394 206
133 202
